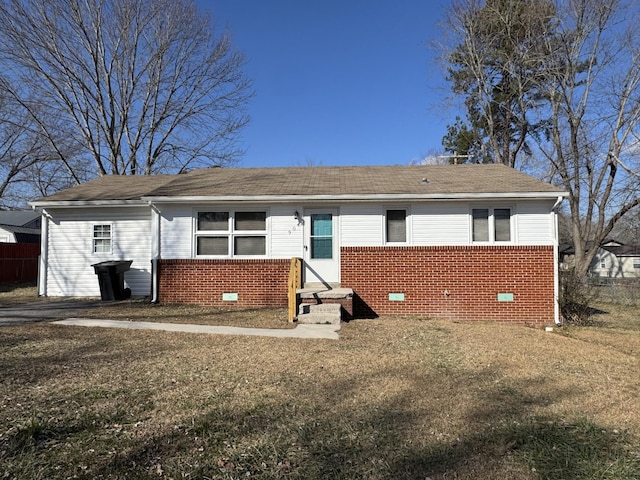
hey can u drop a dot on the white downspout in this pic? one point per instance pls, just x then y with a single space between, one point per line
44 253
556 263
155 250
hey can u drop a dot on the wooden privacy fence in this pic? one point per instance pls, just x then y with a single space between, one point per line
19 262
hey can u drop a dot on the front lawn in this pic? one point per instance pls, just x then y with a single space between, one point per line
393 398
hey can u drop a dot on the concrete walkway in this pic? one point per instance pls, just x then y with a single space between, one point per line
300 331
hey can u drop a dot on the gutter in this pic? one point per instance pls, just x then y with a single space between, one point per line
403 197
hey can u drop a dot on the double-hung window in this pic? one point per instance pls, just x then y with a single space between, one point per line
491 225
102 238
396 226
231 233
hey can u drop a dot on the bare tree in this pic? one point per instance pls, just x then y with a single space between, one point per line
144 84
25 150
497 55
575 79
592 92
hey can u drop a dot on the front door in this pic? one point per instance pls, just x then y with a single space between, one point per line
321 247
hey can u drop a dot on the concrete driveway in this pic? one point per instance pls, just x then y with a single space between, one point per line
65 312
44 311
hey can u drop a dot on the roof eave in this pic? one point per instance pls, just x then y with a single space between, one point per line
354 198
86 203
295 198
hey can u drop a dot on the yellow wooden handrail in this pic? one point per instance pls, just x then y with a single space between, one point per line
295 282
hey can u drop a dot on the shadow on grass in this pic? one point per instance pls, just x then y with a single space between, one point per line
338 426
283 439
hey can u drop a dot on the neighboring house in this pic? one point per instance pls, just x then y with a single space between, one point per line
19 226
465 242
615 260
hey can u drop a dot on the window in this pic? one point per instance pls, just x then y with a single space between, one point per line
231 233
636 263
102 238
321 236
396 226
480 224
491 224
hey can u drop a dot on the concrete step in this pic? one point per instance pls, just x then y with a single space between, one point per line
323 313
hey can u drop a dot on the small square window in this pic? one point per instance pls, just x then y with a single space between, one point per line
102 238
636 263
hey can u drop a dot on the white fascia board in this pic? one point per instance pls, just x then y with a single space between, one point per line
88 203
354 198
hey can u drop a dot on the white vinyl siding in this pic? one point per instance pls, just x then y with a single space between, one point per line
176 231
440 224
361 225
606 264
287 232
70 249
284 234
102 238
534 223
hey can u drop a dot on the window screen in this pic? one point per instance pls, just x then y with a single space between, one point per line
502 220
480 224
213 221
396 225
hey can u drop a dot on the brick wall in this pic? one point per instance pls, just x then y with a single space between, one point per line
473 276
258 283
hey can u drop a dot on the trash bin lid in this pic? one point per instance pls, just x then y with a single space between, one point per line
117 265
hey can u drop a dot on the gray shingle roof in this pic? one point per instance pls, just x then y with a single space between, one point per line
312 181
110 187
18 218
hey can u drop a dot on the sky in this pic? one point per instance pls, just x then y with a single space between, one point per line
350 82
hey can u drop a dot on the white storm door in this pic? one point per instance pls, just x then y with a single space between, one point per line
321 248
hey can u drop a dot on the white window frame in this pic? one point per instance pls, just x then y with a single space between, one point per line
231 233
636 262
492 225
407 222
94 238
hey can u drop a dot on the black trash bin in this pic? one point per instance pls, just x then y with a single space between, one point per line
111 279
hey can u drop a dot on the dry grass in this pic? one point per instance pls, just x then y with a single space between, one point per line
394 398
17 293
142 310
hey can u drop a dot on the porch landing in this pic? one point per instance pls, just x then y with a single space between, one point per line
324 305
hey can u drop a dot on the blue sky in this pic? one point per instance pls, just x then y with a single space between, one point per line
349 82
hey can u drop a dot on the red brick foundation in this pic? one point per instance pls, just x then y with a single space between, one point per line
258 283
457 283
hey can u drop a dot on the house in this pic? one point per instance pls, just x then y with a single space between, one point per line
19 226
463 242
616 260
